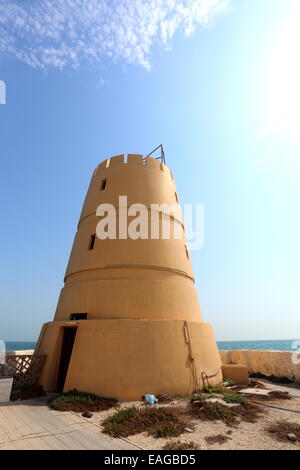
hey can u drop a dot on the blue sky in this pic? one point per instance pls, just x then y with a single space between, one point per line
215 82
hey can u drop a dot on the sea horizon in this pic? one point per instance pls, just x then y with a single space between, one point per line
267 345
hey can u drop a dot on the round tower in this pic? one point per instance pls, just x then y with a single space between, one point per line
128 320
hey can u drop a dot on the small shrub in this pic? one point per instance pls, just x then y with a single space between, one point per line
257 375
164 398
26 392
213 412
230 383
158 422
217 411
279 395
281 429
248 412
215 389
75 400
178 445
118 423
280 380
167 430
218 439
233 398
272 378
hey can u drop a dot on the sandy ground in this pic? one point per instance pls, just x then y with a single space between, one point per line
245 436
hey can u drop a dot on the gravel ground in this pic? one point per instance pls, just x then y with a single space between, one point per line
245 436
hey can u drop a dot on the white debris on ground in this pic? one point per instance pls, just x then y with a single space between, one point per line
222 402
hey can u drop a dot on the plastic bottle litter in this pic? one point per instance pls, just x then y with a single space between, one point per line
150 399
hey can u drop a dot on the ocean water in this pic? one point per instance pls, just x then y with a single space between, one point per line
274 345
19 345
271 345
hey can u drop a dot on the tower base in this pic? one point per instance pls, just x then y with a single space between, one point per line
126 359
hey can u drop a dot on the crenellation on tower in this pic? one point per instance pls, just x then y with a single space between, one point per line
133 159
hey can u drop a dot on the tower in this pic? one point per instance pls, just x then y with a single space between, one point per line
128 321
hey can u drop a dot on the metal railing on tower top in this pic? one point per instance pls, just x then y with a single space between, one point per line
162 156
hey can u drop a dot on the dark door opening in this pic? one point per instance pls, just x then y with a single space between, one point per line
65 356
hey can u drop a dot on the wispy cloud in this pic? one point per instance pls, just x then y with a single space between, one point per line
46 33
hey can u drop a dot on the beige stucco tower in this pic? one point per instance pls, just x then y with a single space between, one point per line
128 320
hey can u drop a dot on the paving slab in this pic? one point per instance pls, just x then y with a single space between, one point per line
31 424
256 391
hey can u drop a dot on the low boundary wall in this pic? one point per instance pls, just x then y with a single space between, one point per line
280 363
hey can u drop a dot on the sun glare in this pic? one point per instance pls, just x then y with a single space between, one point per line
284 86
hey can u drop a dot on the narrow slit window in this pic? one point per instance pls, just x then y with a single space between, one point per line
187 252
78 316
176 197
103 185
92 242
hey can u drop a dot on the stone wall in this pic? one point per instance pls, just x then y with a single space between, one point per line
280 363
24 352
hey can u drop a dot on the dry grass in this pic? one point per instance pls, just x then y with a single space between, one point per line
218 439
164 398
248 412
281 429
279 395
271 396
178 445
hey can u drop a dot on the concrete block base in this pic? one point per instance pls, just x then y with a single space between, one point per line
236 372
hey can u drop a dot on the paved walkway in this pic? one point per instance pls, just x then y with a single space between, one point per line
31 425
